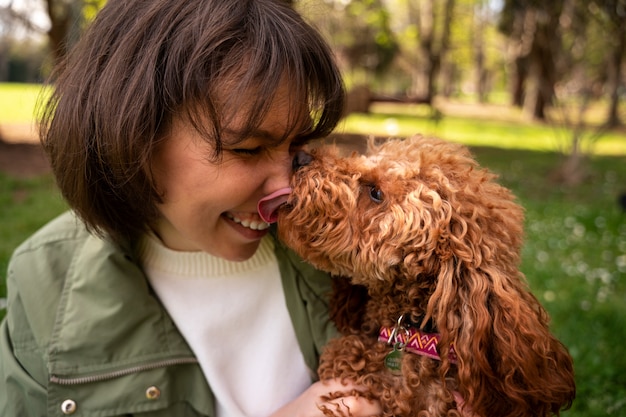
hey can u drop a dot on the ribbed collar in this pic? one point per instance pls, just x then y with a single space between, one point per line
156 256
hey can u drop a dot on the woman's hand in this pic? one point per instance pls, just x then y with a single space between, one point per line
311 402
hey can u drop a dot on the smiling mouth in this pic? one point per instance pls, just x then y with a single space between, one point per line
250 223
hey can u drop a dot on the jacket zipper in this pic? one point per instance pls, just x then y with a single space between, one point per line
122 372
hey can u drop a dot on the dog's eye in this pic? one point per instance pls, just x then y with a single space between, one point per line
376 194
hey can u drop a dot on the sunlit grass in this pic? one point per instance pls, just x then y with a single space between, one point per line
475 125
18 102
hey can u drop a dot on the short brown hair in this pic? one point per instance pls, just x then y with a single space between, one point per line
143 61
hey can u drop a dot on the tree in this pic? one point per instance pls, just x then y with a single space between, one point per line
25 60
433 26
363 38
478 26
67 20
533 29
588 61
360 34
611 14
62 14
474 38
21 54
12 19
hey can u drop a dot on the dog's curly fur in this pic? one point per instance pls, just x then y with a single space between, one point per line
416 228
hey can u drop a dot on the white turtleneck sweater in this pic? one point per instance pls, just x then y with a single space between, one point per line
235 319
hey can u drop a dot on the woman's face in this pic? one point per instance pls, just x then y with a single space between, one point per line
210 204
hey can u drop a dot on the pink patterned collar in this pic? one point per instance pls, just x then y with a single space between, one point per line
416 341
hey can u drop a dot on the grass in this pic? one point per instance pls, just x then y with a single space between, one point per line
476 126
18 102
575 253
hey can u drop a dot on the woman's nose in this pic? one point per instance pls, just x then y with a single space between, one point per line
279 170
301 159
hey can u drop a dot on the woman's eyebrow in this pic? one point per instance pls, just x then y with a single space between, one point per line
235 136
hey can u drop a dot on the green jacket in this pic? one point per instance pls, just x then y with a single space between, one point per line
85 335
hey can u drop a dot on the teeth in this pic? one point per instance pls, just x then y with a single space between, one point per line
250 224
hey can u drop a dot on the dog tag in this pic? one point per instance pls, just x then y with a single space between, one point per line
393 360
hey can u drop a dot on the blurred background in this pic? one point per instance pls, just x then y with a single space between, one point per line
535 88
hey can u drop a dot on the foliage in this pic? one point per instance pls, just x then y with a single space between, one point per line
492 44
25 61
359 32
91 9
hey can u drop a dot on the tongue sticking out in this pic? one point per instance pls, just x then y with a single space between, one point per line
268 205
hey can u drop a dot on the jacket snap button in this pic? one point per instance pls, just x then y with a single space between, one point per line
153 393
68 407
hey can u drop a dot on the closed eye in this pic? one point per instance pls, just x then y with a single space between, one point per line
247 152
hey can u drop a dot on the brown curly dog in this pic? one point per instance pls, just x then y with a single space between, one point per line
434 313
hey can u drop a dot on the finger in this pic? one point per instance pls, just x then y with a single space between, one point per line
354 406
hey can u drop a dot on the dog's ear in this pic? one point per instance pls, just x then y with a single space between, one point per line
508 361
347 305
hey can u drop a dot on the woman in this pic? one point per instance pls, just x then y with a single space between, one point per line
163 292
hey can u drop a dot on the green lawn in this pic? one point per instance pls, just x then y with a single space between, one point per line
575 253
477 125
18 102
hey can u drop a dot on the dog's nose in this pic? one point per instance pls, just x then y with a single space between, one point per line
301 159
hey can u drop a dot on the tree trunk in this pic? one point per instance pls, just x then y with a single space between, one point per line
432 49
521 35
480 78
426 25
615 76
543 73
60 14
518 84
545 47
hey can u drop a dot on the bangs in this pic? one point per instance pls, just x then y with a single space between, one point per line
254 67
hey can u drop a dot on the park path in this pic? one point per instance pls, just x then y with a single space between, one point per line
20 152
